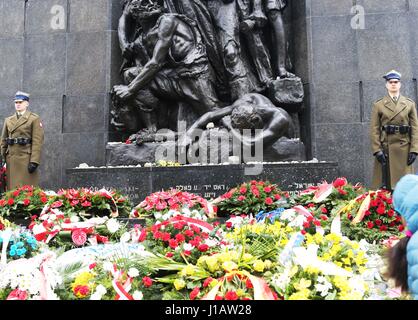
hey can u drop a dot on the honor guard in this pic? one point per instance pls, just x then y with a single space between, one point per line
393 134
21 144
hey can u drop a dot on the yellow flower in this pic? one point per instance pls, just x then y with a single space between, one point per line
350 253
258 265
300 295
268 264
338 263
326 256
318 238
188 270
247 257
229 266
240 292
293 271
349 269
346 261
179 284
213 283
312 270
212 263
303 284
361 269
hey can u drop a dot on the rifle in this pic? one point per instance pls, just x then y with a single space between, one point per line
385 176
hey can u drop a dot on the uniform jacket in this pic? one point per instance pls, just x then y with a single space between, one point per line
405 200
397 146
18 156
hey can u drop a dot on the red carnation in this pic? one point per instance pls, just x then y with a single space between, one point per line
381 210
228 224
277 196
324 210
243 190
203 247
92 265
26 202
189 233
249 284
378 222
391 213
370 225
165 236
173 244
241 198
218 297
269 201
10 202
143 235
401 228
207 282
340 182
147 281
325 218
180 237
195 292
231 295
267 189
169 254
383 228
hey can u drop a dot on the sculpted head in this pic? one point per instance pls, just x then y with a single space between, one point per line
245 116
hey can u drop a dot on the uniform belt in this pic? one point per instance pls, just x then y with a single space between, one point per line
392 129
20 141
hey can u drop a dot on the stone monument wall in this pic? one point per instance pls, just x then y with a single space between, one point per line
66 54
61 52
342 61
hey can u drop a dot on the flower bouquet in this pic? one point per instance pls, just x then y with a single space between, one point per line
68 230
23 202
371 216
17 243
251 197
327 198
90 203
30 279
162 202
324 267
181 238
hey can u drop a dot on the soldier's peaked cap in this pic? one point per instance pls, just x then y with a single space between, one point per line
392 74
21 96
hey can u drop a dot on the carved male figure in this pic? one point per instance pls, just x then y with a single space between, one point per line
178 68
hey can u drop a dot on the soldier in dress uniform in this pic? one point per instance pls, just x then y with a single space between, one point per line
393 133
21 144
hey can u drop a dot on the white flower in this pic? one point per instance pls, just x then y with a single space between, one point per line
107 266
323 288
101 289
157 215
137 295
165 216
74 219
113 225
125 237
211 242
188 247
99 293
133 272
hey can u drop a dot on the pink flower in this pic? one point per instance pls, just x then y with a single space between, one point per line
147 281
86 204
241 198
79 237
